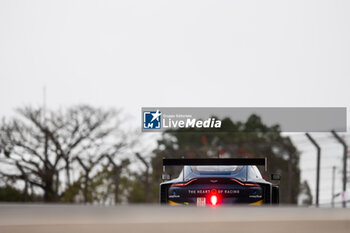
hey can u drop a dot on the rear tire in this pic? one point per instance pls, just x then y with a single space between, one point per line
275 195
163 194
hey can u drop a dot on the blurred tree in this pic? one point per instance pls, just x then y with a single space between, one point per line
145 176
116 175
305 194
241 139
71 193
137 192
11 194
38 145
88 165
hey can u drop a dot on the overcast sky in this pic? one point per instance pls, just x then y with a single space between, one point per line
129 54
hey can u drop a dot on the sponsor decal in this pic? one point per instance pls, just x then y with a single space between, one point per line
174 195
207 191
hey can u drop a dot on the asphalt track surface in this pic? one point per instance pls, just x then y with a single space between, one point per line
143 218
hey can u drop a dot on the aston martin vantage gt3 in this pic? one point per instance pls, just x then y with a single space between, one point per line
213 182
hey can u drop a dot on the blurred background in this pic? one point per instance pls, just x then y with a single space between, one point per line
75 74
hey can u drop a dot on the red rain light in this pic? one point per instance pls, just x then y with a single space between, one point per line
213 200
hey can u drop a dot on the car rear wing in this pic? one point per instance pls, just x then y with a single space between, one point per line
216 162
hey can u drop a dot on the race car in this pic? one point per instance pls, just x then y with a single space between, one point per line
213 182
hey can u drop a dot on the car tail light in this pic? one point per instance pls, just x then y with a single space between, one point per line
246 184
182 184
